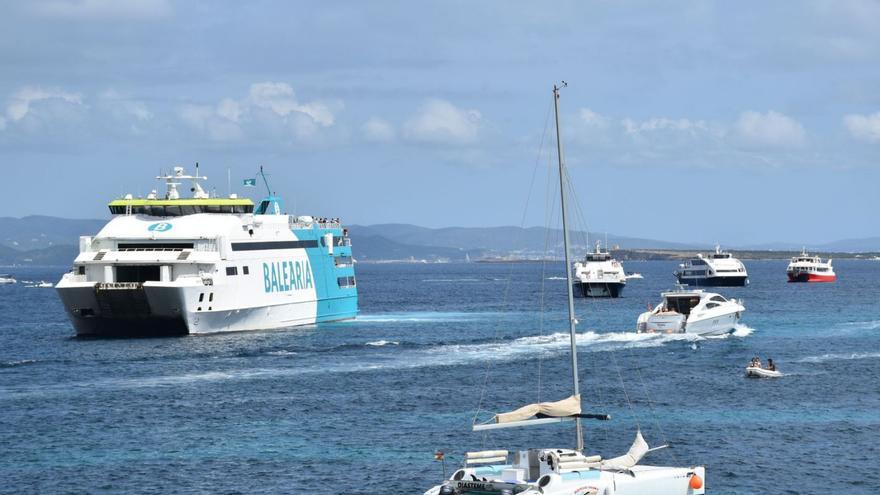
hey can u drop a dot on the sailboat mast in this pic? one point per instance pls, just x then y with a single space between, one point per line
572 322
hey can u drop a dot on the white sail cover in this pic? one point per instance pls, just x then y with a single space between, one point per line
562 408
632 457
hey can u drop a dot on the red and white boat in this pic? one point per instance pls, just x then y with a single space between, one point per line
807 268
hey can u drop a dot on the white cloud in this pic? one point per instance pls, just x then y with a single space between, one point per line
441 122
124 107
229 109
378 130
104 9
269 109
768 130
208 120
864 127
663 124
280 98
20 103
593 119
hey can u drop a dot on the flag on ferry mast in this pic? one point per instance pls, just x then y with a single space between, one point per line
250 182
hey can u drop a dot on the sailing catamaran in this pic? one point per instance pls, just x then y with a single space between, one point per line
558 471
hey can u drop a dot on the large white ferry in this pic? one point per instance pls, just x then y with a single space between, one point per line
599 275
808 268
718 269
171 265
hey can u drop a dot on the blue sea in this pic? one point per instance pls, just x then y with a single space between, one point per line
360 407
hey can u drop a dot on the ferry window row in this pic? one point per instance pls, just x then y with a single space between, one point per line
345 281
343 261
179 210
233 270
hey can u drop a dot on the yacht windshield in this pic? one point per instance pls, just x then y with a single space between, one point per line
682 304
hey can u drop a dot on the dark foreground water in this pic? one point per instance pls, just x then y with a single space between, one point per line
360 407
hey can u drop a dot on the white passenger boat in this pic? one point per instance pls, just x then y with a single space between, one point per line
808 268
692 311
6 279
718 269
564 471
599 275
173 265
756 372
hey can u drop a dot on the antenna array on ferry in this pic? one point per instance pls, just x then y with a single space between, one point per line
172 181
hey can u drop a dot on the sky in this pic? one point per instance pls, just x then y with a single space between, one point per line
691 121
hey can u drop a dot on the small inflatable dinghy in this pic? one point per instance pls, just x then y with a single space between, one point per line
754 372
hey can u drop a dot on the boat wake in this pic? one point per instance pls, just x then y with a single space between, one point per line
12 364
860 325
634 275
422 316
824 358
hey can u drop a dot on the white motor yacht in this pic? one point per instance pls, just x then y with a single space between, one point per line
718 269
599 275
692 311
7 279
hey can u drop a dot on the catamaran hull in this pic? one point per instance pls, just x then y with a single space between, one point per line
587 289
162 311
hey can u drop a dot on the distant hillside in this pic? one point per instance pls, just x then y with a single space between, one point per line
51 240
37 232
504 239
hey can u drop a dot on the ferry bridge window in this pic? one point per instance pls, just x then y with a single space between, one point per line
245 270
231 270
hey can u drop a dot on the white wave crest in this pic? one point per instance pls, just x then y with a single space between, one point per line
555 278
282 353
839 357
382 343
860 325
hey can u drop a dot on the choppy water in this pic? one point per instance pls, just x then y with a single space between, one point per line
360 407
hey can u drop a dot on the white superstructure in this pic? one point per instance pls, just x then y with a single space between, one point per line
692 311
197 265
718 269
599 275
808 268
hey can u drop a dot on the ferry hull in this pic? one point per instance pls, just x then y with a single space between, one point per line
160 312
713 281
810 277
583 289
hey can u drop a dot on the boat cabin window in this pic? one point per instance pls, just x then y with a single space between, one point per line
711 305
682 304
718 298
231 270
698 261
